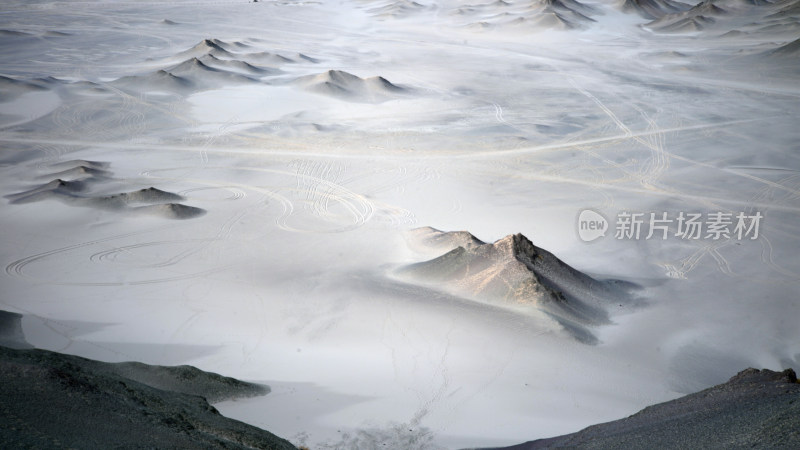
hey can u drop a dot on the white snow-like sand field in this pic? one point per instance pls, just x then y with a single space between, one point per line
243 187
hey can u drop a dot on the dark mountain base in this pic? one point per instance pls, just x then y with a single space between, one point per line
754 409
51 400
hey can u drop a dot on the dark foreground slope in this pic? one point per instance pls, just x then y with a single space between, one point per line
754 409
52 400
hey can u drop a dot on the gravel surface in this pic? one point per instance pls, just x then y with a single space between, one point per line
754 409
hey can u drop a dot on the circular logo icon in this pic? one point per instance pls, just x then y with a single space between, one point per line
591 225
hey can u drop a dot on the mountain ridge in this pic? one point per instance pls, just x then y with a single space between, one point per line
514 273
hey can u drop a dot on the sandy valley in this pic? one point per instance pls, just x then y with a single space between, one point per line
374 206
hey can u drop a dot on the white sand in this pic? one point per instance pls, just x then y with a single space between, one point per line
500 129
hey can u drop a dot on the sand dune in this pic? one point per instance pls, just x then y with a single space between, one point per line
514 273
230 46
11 88
15 33
668 55
152 195
729 17
171 211
784 17
484 9
202 74
790 50
480 26
57 34
79 173
689 25
733 34
55 191
277 58
790 9
156 81
22 35
159 203
654 9
206 47
210 64
428 239
71 185
550 19
100 165
50 81
531 17
239 51
270 57
395 9
695 19
237 66
346 86
754 409
8 83
781 28
149 195
41 192
573 8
